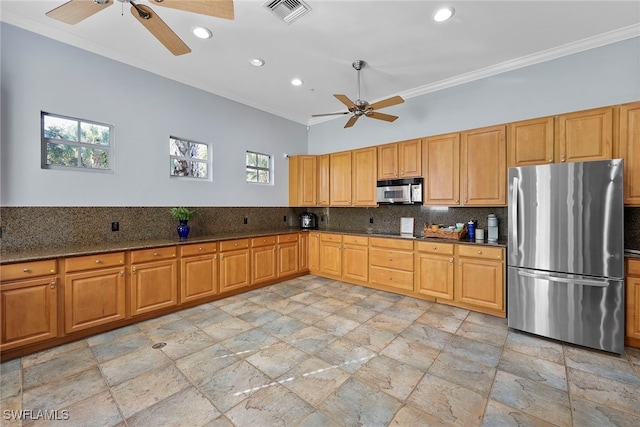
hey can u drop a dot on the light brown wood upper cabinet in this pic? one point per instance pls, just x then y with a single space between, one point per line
340 178
323 163
364 177
441 156
483 166
530 142
584 135
303 181
400 160
629 143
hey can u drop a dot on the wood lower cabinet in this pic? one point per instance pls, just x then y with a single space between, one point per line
264 264
331 254
303 250
235 264
198 271
94 291
629 150
479 278
391 263
483 167
584 135
314 252
632 291
288 255
355 258
154 280
434 269
28 311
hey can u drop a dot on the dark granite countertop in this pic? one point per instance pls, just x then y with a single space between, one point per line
634 254
8 256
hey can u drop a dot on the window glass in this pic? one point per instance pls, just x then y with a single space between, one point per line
188 158
258 168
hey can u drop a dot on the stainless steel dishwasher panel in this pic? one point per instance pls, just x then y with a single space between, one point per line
577 309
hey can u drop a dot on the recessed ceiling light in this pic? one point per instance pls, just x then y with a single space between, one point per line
202 32
296 82
257 62
443 14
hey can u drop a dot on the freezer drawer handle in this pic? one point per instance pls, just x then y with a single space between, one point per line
586 282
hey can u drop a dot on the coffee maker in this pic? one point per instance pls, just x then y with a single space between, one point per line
308 221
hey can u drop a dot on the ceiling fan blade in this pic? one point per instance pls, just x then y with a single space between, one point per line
217 8
346 101
330 114
160 30
381 116
386 103
75 11
352 121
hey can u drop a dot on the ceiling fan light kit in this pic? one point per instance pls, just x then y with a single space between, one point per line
361 107
74 11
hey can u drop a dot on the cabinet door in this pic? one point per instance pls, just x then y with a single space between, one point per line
263 264
288 261
331 258
480 283
388 161
314 252
410 158
355 262
154 285
585 135
435 275
530 142
630 151
234 269
303 249
303 176
364 177
323 180
633 307
94 298
29 312
198 277
340 173
441 155
483 166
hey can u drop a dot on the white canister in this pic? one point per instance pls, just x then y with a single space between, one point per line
492 227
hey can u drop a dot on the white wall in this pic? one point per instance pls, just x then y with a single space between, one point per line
606 75
39 74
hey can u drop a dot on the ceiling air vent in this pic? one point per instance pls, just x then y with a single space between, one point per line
287 10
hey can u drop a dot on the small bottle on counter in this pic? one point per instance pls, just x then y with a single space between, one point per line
471 230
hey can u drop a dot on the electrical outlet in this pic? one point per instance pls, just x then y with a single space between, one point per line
246 220
370 220
285 218
115 226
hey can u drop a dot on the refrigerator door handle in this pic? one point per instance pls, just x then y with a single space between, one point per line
584 282
514 218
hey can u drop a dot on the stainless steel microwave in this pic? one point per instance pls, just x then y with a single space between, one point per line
400 191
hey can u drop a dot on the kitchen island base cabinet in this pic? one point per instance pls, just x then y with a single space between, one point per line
154 284
29 312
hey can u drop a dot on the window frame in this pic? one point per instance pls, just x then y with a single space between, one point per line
44 149
259 168
208 161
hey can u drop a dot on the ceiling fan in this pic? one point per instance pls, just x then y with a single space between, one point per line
361 108
75 11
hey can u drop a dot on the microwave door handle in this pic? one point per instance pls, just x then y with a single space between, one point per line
583 282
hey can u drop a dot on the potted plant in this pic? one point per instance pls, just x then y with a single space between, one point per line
183 215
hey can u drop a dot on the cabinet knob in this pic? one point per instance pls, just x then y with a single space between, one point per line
479 252
133 270
97 261
235 244
457 200
451 260
52 285
550 159
221 257
155 254
26 270
122 274
200 249
434 248
562 158
390 259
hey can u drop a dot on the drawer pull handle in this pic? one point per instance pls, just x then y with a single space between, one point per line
26 270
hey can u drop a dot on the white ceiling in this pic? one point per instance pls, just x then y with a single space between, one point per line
407 53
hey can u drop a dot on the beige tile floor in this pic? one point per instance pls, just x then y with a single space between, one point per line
316 352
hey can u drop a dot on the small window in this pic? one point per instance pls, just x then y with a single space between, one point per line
69 143
258 168
188 158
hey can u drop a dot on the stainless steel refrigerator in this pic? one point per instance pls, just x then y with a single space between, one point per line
566 260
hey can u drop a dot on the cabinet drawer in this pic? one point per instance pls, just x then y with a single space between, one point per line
287 238
393 278
392 243
633 267
479 251
230 245
391 259
331 237
263 241
198 249
435 248
91 262
27 270
355 240
145 255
